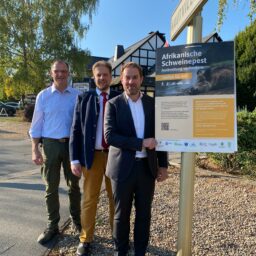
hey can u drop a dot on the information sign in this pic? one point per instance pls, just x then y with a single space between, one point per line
196 98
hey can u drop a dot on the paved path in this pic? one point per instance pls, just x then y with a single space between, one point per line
22 206
15 156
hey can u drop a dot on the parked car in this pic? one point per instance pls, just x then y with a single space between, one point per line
13 104
5 109
29 99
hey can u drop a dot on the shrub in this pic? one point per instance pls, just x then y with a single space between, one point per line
244 161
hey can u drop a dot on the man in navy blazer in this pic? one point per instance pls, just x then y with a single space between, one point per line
89 152
133 164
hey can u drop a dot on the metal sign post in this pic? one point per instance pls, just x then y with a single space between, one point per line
194 35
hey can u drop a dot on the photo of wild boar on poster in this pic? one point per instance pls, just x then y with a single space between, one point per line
195 69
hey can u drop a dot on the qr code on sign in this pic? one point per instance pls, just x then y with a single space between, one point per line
165 126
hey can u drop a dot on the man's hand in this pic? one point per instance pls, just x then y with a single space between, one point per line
149 143
76 169
162 174
37 157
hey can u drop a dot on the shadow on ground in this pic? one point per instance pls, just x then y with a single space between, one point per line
26 186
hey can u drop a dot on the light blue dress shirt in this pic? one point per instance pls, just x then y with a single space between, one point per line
53 113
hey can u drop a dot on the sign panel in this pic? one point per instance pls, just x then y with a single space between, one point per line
195 98
183 15
82 87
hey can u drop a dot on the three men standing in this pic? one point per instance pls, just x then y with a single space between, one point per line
51 123
89 151
133 164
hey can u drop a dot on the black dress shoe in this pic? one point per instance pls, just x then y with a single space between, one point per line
83 249
47 235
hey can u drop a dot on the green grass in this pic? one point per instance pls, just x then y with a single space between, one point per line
11 119
17 118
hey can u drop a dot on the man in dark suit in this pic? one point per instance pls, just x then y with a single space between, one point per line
89 151
133 164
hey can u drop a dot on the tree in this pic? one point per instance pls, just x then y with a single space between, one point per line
245 43
34 32
245 55
222 9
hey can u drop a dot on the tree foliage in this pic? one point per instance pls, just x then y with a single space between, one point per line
34 32
245 43
223 4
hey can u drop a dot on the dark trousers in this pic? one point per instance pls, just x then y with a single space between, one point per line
139 186
55 155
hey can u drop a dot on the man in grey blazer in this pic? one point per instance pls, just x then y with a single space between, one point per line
133 164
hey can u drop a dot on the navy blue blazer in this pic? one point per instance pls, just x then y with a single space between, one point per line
84 126
120 134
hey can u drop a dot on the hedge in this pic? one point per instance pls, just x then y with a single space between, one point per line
244 160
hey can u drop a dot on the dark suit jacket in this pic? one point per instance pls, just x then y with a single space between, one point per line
120 134
83 130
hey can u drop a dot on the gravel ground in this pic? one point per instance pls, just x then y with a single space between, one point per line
223 221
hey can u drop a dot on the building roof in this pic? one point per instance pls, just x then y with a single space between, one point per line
212 36
131 49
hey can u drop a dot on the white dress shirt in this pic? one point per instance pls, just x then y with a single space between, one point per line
53 113
138 120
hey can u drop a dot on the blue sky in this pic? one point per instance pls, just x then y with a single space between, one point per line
126 22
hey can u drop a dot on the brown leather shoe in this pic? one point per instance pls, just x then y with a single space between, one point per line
47 235
83 249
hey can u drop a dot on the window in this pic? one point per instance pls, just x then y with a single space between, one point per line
143 53
151 62
143 61
152 54
135 59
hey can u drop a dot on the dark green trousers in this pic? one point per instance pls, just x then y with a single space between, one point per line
56 155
